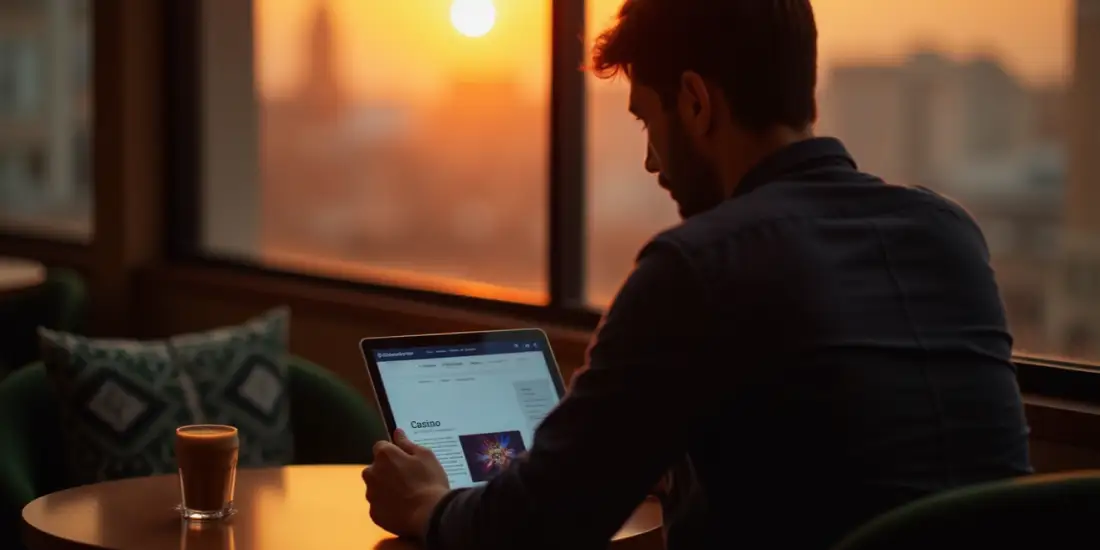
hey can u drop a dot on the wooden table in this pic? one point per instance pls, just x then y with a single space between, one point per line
294 508
17 275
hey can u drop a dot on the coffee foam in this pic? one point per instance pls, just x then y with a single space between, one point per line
206 430
208 435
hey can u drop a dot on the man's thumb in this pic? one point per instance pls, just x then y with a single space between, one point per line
401 439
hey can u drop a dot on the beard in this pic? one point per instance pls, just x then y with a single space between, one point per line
692 178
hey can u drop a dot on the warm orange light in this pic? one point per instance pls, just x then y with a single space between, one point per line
473 18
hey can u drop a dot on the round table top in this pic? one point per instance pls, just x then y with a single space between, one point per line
17 274
297 507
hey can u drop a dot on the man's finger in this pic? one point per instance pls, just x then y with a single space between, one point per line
378 446
405 444
386 451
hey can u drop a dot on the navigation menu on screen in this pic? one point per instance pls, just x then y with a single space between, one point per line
476 406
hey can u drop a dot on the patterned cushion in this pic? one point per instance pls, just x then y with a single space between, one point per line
121 401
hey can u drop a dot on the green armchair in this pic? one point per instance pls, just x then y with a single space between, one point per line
1050 511
59 303
332 424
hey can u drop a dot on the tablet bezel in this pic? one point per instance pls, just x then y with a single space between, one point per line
367 346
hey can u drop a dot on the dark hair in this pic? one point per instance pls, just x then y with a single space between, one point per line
762 53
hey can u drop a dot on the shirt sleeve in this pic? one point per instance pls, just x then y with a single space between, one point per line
625 421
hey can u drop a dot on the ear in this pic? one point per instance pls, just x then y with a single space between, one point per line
695 107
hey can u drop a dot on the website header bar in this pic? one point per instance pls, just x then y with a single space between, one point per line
460 350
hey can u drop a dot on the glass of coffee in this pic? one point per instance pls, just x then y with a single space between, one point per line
207 459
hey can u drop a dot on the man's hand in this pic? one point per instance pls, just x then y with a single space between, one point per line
404 485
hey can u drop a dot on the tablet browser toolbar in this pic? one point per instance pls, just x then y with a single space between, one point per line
463 350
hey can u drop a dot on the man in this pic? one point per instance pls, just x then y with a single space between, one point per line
821 346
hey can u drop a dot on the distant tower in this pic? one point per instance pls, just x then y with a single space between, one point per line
1083 196
1075 294
320 88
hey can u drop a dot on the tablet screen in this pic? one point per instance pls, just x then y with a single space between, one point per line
476 406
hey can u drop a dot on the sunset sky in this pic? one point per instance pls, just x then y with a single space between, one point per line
393 48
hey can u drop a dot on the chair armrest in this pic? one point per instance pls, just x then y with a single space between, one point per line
21 414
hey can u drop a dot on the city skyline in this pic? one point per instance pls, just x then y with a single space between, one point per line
376 54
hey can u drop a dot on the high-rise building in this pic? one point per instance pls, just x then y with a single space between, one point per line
928 119
1074 296
1084 178
865 105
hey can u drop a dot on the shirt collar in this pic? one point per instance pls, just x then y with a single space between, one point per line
807 154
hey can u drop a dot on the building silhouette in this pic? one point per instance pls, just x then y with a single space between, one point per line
928 119
320 90
1074 296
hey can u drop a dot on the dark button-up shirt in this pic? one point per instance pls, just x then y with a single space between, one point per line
814 351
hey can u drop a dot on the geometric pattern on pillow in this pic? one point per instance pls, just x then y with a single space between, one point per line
122 400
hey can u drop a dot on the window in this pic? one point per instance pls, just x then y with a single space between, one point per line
45 118
410 143
396 142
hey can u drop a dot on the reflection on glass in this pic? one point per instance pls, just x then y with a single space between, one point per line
991 102
45 119
406 142
207 535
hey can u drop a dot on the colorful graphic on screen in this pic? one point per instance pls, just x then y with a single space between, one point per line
489 454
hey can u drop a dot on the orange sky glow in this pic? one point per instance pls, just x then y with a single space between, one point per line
394 48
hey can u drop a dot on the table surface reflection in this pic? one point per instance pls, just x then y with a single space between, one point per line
298 507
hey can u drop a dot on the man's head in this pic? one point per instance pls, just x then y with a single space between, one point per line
718 84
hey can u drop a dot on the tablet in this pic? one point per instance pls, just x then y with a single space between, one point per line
473 398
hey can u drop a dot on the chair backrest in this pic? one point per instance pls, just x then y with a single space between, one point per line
332 422
59 303
1048 511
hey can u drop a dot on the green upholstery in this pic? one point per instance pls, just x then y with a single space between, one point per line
59 303
1049 511
332 424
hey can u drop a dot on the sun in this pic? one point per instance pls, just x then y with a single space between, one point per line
473 18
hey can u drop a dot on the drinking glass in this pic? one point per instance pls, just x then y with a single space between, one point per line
207 459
